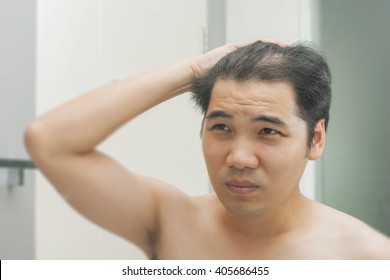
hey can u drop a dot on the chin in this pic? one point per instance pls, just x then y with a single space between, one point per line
246 210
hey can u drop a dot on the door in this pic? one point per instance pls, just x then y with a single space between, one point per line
355 36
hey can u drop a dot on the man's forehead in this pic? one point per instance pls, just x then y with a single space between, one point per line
252 96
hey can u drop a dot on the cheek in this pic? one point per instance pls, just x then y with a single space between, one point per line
214 155
209 152
285 159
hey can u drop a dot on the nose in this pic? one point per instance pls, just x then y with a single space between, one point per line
242 155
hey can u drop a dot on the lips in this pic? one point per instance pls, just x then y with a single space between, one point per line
242 187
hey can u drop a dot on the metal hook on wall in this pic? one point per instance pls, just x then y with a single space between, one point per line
16 170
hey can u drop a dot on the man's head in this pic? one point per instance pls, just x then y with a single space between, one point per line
303 67
265 111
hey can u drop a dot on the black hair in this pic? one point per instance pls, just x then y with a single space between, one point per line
301 65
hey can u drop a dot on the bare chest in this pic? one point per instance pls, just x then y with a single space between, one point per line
206 243
326 234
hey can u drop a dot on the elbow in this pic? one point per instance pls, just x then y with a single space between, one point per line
36 141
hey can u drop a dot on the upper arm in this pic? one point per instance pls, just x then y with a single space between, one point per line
108 194
379 247
368 243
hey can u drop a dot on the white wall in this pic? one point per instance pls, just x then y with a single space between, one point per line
83 44
276 19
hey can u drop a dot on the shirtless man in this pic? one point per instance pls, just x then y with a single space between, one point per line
266 110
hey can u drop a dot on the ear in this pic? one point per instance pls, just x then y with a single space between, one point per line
318 144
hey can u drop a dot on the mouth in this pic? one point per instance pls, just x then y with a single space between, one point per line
242 187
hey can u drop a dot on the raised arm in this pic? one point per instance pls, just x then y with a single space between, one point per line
62 143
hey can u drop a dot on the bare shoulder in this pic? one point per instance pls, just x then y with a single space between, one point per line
354 238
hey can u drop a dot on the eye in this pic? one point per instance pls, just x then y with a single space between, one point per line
268 131
220 127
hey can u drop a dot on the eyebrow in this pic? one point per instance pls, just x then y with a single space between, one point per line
219 114
270 119
261 118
